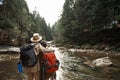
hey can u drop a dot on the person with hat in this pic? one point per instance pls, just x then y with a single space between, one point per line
33 73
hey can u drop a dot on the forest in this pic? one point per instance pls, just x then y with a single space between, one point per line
17 24
89 22
81 22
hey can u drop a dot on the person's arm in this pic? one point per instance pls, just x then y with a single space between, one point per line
45 49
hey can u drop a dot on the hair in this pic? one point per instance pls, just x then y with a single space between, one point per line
43 43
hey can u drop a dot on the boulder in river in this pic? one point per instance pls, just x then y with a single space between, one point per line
100 62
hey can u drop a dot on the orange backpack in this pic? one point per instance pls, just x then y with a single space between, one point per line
50 62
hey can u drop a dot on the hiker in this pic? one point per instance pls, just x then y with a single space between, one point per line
36 72
47 76
33 73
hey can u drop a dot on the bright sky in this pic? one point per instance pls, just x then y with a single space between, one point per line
1 2
49 9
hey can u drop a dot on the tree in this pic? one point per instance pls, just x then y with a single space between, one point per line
80 19
66 19
19 23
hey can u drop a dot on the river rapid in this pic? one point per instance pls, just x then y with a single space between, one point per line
72 66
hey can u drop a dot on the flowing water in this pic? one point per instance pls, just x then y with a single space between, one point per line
71 68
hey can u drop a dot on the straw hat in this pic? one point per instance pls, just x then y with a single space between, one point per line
36 37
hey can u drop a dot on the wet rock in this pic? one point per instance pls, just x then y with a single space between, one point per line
100 62
9 49
89 63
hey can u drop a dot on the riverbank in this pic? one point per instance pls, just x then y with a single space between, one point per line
100 46
95 51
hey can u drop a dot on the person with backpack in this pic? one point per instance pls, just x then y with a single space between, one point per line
35 64
47 76
33 73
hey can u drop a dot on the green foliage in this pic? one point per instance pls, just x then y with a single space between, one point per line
20 24
39 25
81 18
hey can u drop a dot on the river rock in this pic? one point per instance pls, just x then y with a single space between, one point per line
100 62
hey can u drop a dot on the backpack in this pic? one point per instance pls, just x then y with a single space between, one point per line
27 56
50 62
